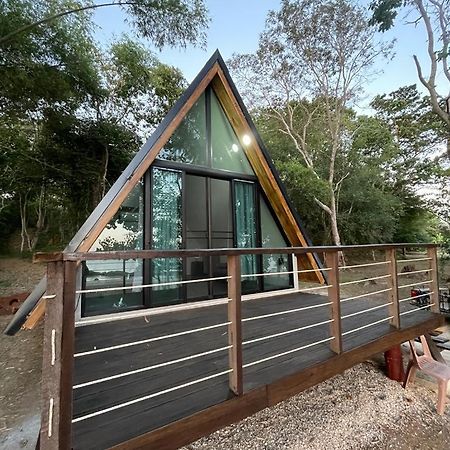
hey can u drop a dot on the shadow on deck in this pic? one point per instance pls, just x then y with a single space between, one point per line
123 408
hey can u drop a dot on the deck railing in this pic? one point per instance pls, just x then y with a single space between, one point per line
58 362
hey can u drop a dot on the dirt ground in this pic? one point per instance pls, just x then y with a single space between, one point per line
356 410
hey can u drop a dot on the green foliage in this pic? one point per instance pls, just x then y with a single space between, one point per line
384 13
72 115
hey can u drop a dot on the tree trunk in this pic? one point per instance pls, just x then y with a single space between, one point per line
334 226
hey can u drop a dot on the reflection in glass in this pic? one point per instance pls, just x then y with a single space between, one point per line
227 153
196 224
244 203
271 237
166 234
188 143
221 231
123 232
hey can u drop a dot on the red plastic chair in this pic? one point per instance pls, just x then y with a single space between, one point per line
430 366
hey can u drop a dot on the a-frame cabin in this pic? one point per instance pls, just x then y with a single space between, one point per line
202 180
147 343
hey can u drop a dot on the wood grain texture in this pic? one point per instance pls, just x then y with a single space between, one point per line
432 253
392 282
235 327
332 262
35 315
50 438
123 424
192 428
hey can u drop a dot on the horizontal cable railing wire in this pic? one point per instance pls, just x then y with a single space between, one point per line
288 272
416 284
412 260
288 352
367 326
289 311
367 310
354 266
148 368
416 309
169 283
414 271
148 397
346 283
145 341
367 294
413 297
283 333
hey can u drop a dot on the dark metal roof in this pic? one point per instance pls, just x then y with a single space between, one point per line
20 317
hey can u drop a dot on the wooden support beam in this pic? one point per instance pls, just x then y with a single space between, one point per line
332 262
57 364
432 253
394 309
235 327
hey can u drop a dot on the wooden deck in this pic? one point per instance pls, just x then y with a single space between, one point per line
265 383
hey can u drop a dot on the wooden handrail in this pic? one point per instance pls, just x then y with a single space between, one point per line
147 254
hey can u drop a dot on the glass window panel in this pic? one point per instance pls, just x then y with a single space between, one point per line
196 235
166 234
123 232
271 237
244 203
227 153
188 142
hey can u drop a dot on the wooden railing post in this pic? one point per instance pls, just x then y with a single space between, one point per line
394 308
57 364
235 326
332 262
432 253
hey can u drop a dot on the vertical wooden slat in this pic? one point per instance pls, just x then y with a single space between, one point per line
332 262
432 253
394 309
235 327
57 364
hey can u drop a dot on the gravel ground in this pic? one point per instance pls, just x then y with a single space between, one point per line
19 275
356 410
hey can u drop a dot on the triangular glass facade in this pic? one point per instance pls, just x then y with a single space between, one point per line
201 192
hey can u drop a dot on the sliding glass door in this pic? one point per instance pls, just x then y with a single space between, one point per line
246 231
166 220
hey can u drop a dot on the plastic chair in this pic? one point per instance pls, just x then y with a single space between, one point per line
430 366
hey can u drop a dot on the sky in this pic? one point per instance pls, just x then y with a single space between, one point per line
235 27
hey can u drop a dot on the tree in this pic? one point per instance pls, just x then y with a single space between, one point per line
435 16
321 50
169 22
71 118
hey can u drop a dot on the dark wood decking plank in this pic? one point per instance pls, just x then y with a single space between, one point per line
139 418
